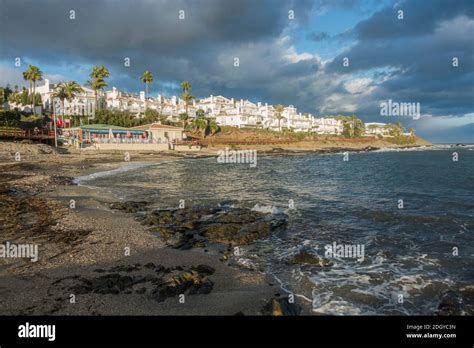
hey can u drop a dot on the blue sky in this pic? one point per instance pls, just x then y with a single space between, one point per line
291 61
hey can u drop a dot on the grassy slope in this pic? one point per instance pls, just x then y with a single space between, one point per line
267 140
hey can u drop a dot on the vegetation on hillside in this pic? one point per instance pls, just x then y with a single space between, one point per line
15 118
353 127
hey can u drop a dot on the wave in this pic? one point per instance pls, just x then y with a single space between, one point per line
424 148
122 169
266 209
408 149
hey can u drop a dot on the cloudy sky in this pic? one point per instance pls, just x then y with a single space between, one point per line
289 52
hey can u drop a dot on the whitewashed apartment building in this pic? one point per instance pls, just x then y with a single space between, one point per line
226 111
82 105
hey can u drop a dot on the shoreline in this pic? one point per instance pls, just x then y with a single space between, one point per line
87 245
78 242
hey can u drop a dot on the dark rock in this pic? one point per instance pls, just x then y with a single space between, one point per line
451 304
161 282
129 207
203 269
196 226
150 265
187 282
281 307
307 258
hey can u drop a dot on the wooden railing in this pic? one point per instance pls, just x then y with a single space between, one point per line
12 132
18 133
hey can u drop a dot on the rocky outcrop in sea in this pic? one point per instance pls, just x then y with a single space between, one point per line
199 226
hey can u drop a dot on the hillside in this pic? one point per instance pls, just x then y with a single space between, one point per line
270 140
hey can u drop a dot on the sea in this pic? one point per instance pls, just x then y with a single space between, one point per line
411 212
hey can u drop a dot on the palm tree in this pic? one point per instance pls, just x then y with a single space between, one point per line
33 74
213 127
184 117
147 78
200 124
97 81
61 94
185 86
27 75
187 97
71 89
279 109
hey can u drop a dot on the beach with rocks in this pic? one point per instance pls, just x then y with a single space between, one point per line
103 257
98 255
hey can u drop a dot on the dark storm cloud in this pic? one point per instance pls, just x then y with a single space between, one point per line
112 27
148 32
413 55
418 50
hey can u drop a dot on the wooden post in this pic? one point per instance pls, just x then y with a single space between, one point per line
54 120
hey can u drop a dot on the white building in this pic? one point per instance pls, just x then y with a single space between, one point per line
376 128
327 126
226 111
82 105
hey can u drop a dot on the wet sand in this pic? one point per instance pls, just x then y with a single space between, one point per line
110 262
107 260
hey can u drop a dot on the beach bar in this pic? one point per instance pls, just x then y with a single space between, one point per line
153 137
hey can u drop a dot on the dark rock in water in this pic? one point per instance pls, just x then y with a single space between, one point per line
281 307
451 304
237 234
197 226
307 258
129 207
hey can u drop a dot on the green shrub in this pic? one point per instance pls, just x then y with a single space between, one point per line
10 118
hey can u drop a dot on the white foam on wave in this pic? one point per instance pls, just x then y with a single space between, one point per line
338 307
407 149
424 148
80 180
266 209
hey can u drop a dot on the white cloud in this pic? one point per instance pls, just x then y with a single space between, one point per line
444 122
359 86
12 76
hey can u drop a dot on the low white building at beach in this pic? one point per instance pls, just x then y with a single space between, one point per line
376 128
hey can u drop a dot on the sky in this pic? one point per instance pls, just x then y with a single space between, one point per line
289 51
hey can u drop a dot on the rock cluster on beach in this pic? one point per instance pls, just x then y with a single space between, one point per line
281 307
151 280
199 226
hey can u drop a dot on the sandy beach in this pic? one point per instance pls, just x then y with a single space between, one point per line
92 241
94 260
